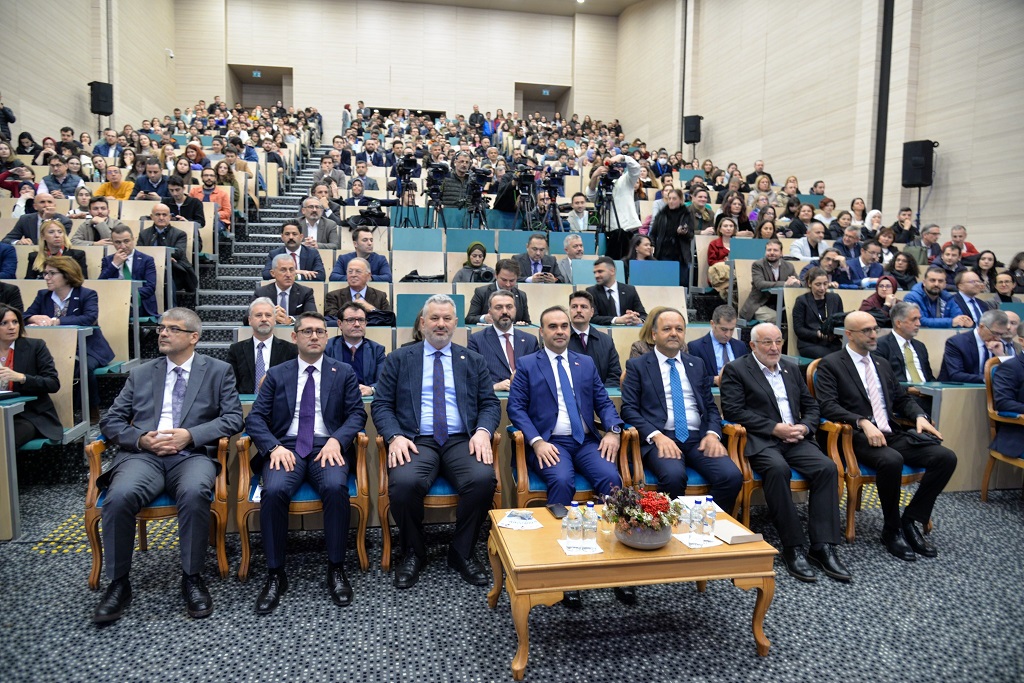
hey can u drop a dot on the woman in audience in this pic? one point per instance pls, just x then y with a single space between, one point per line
195 156
872 224
839 225
473 268
127 159
760 204
66 302
904 268
53 242
75 167
826 206
765 228
1004 287
1016 269
718 250
183 170
880 303
790 209
86 141
48 150
8 159
27 367
858 211
226 177
168 155
699 216
138 169
641 248
80 207
672 233
886 236
987 268
791 186
709 168
146 147
797 227
99 168
646 333
734 207
812 314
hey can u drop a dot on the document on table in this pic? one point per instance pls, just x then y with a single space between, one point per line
580 547
689 502
696 540
513 521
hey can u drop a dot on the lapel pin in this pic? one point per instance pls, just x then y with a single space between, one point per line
334 369
462 357
576 364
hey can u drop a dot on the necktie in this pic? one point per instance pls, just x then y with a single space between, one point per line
440 407
295 258
611 300
984 359
352 350
725 356
282 301
536 267
126 273
261 366
356 296
678 405
307 416
908 358
583 340
977 310
571 409
510 352
875 396
177 397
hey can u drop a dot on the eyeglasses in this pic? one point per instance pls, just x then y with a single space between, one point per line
770 342
354 321
867 330
160 329
312 332
51 273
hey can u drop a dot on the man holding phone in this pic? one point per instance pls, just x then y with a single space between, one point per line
536 265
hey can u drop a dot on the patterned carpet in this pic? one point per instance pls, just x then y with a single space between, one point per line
956 618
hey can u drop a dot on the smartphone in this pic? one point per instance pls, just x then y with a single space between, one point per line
545 269
557 510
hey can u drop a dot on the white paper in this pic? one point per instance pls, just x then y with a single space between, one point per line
258 493
689 501
579 547
696 540
518 523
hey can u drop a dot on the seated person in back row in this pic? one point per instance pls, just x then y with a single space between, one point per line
26 229
127 263
307 259
251 358
718 346
505 279
358 275
615 303
589 341
353 348
29 370
535 265
362 240
291 298
965 355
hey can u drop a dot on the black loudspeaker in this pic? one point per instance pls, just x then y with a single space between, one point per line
691 129
102 98
917 163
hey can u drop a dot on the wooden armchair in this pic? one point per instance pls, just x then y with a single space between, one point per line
441 494
161 508
304 502
994 418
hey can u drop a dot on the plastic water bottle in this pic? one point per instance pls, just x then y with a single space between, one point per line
696 525
565 527
575 524
590 524
708 530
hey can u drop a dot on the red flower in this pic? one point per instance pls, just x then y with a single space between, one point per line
654 503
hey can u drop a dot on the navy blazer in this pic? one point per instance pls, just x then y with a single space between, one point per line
704 348
341 405
8 262
380 269
644 405
960 362
601 350
857 273
889 349
376 158
143 269
533 401
958 306
309 259
487 343
83 311
1008 397
396 401
372 358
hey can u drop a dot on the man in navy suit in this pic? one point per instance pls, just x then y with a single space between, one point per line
718 346
296 443
128 264
592 342
309 265
965 355
866 268
966 302
615 303
291 298
501 344
907 356
1008 397
362 240
365 356
370 155
675 415
435 407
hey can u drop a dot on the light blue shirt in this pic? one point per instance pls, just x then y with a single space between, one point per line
455 425
720 351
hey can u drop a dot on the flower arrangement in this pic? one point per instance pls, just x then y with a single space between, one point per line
635 508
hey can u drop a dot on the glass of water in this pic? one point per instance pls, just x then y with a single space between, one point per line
605 525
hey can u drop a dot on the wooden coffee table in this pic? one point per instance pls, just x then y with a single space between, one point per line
536 571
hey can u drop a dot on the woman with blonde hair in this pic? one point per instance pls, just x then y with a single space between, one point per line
53 241
646 341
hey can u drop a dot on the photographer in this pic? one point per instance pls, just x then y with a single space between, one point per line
623 172
474 269
454 188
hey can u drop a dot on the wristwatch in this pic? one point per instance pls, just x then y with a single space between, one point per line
616 429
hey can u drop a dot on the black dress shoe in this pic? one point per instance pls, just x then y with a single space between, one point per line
197 598
797 564
917 541
572 600
115 601
469 568
273 589
626 595
407 572
898 546
338 585
827 561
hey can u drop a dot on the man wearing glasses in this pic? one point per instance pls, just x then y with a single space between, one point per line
855 388
167 421
303 423
59 183
365 356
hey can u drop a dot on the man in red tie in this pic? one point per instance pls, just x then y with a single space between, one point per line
308 263
501 344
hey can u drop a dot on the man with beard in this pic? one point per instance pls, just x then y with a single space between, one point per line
96 231
589 341
308 264
501 344
209 192
251 358
771 271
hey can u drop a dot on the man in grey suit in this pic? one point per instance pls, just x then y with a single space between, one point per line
771 271
327 170
167 421
317 231
26 229
573 245
535 260
501 344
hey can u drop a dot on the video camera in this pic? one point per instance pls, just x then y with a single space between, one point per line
482 275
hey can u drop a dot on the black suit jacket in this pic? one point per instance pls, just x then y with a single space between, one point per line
843 397
242 359
889 349
33 359
174 238
309 259
601 349
478 305
191 210
77 254
748 399
11 295
28 226
526 266
300 299
604 310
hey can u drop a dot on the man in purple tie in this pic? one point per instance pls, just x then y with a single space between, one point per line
304 421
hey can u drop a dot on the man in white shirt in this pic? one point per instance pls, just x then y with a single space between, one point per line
624 209
579 218
251 358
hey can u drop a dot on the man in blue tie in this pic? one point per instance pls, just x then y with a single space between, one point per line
435 407
965 355
718 346
966 302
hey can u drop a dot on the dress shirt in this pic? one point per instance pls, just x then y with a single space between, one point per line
166 414
689 398
310 229
858 362
779 388
319 428
455 425
267 346
562 426
501 341
982 350
127 262
59 303
905 343
535 268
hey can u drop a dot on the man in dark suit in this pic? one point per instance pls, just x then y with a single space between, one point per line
362 240
758 171
501 344
317 231
306 259
291 450
435 408
591 342
250 359
370 155
163 234
360 175
676 434
166 450
533 262
126 263
1008 397
865 268
907 356
506 272
768 396
966 302
615 303
365 356
965 355
718 347
771 271
26 229
183 207
10 295
358 290
292 298
32 373
854 388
